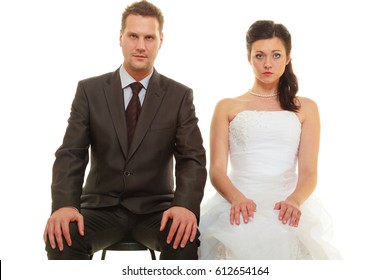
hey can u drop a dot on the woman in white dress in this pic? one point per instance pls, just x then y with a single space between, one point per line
262 208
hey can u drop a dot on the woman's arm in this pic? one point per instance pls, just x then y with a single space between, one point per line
219 156
307 163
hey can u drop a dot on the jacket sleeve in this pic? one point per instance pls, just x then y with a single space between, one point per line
190 157
72 156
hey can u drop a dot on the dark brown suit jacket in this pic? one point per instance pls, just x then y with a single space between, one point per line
140 177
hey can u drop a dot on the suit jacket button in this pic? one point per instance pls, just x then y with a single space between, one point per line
127 173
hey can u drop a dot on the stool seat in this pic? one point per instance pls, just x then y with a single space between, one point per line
127 245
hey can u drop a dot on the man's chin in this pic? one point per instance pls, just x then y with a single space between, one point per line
140 67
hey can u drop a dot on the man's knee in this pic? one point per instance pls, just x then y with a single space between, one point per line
188 252
77 250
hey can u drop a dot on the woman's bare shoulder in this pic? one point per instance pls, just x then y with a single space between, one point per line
228 107
307 103
228 103
308 108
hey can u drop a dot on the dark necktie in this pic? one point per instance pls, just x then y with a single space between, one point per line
133 110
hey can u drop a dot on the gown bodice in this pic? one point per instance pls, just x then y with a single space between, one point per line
263 147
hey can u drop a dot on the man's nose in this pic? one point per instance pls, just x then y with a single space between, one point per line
141 44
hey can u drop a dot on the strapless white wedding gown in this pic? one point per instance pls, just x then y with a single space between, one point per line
263 159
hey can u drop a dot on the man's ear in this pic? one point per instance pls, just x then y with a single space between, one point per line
120 39
161 39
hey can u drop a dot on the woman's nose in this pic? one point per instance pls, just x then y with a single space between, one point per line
267 63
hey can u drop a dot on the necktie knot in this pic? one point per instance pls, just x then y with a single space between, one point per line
136 87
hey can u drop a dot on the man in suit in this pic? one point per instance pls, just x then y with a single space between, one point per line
130 189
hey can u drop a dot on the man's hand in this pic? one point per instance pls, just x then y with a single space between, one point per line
184 225
58 225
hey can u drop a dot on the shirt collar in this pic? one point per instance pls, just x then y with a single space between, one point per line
127 79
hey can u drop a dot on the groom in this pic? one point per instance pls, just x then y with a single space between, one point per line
130 187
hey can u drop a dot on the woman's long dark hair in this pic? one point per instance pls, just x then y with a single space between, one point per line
288 83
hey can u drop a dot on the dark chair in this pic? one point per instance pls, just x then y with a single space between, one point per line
127 245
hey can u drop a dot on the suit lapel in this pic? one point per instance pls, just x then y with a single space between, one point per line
153 98
114 96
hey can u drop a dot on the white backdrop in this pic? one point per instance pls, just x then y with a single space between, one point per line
340 55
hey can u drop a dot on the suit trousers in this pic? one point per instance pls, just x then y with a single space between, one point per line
106 226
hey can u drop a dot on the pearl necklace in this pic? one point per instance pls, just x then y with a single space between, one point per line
263 95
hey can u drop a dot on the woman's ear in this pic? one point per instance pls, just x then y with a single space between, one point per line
288 60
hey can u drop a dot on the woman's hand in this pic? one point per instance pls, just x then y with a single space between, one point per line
288 211
244 206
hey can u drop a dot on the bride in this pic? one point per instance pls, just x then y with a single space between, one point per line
263 208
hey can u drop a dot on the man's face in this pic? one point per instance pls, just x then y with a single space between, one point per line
140 42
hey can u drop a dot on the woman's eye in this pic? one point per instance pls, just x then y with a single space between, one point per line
259 56
277 55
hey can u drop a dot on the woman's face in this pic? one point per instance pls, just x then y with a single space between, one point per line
268 59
